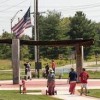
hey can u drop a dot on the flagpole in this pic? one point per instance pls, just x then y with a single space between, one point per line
35 27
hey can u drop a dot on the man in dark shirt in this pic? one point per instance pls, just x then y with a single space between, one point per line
27 70
47 70
72 81
26 67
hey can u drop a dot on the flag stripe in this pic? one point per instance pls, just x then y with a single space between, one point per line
14 28
23 24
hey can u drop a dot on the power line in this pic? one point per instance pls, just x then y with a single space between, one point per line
88 5
66 8
77 7
4 1
13 6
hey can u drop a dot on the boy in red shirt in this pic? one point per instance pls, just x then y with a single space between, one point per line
83 78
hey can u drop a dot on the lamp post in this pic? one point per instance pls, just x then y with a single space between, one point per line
12 19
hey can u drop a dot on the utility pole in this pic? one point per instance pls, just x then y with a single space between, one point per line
36 33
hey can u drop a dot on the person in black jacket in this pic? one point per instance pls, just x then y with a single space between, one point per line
72 81
27 70
47 69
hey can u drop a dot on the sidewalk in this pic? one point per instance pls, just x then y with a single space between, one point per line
61 87
64 95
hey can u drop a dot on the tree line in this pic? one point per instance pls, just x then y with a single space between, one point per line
55 27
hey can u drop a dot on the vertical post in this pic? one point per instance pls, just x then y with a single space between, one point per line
96 56
16 60
36 32
79 59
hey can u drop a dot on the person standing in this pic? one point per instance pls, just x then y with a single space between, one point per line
24 86
28 70
26 67
72 81
51 82
83 79
47 69
53 65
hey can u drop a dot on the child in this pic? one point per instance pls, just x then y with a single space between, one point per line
24 86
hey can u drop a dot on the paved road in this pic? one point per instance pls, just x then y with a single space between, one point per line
61 86
66 68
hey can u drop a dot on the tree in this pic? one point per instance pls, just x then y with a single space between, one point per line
81 27
97 39
5 49
52 28
48 26
64 28
48 29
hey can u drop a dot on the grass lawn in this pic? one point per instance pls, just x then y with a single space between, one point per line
94 93
94 74
5 75
8 75
14 95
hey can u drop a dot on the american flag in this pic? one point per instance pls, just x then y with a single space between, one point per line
23 24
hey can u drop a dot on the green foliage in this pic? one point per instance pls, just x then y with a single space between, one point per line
94 74
81 27
54 27
6 35
94 93
5 51
15 95
5 64
6 75
24 52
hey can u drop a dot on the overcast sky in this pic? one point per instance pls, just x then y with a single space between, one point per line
8 9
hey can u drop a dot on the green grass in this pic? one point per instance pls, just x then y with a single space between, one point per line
5 75
5 64
33 91
8 75
98 65
94 93
15 95
94 74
